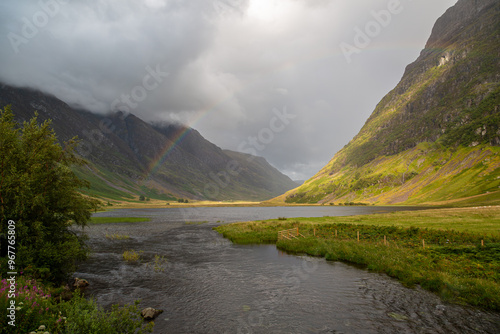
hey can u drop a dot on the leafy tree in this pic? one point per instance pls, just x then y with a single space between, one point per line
39 192
142 198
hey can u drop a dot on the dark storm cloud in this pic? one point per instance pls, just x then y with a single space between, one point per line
224 67
91 52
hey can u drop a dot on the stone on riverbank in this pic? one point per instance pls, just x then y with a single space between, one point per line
150 313
80 283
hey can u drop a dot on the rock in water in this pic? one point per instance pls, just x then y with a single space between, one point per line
80 283
150 313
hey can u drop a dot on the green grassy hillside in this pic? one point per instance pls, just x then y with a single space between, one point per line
428 173
129 158
434 138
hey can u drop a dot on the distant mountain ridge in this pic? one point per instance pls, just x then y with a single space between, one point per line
435 137
129 157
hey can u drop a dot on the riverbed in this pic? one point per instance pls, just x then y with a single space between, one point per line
205 284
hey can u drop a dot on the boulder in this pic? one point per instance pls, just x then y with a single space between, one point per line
150 313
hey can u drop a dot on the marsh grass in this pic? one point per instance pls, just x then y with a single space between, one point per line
453 263
159 263
197 223
117 236
131 255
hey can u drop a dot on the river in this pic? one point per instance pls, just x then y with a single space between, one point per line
208 285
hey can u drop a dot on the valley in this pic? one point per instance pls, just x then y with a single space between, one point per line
114 207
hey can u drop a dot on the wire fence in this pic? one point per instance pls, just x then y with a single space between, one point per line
389 235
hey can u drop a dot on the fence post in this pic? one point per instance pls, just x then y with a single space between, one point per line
358 236
314 231
482 243
335 233
385 241
297 231
423 243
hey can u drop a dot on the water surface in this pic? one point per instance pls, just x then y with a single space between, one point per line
209 285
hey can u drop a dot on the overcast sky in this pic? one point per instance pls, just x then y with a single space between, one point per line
290 80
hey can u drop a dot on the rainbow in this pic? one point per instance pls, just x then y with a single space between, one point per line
155 164
165 152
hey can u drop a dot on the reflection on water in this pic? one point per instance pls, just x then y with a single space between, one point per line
209 285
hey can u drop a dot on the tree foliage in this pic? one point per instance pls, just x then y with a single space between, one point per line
39 192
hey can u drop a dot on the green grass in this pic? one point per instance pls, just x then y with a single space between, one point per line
197 223
431 173
465 274
481 221
111 220
98 188
41 308
159 263
453 264
131 255
117 236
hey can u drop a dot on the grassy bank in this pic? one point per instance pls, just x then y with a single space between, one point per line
162 204
454 253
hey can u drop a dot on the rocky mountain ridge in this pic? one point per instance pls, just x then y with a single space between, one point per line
129 157
445 108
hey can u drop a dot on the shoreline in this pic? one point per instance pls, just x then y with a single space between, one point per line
155 204
461 264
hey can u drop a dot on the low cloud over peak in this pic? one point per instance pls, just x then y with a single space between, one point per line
221 66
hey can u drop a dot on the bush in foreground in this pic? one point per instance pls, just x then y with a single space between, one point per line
36 306
40 199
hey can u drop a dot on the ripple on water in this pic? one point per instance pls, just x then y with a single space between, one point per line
209 285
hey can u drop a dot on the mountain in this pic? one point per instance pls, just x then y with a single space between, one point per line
435 137
129 157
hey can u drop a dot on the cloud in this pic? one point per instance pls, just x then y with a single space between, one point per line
224 65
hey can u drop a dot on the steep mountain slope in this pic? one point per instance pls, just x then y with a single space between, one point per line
435 137
129 157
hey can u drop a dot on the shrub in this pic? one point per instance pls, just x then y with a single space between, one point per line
38 310
33 305
131 256
158 264
40 194
87 317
